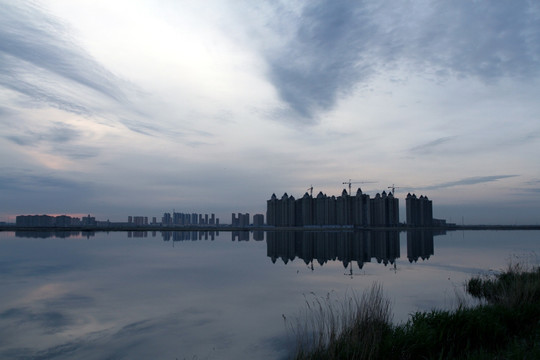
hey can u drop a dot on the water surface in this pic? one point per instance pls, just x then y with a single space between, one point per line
143 295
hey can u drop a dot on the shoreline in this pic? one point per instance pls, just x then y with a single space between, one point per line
265 228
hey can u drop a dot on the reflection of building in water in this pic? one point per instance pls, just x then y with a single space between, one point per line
321 247
357 210
54 234
187 235
240 235
258 235
419 245
137 234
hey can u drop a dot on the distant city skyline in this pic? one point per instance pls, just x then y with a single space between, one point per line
133 107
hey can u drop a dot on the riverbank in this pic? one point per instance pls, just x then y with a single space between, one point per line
113 227
506 325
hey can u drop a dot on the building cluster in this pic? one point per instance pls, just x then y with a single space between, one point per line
240 220
258 220
53 221
188 219
139 220
357 210
243 220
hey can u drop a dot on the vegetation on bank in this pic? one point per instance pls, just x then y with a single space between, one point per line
506 325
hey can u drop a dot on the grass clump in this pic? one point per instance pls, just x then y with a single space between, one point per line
514 287
506 325
333 329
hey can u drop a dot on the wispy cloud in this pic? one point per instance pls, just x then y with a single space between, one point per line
432 145
57 138
40 60
51 321
16 180
57 133
35 38
467 181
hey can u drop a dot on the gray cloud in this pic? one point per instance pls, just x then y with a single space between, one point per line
49 321
60 137
58 133
481 39
321 60
532 190
467 181
334 46
431 146
37 183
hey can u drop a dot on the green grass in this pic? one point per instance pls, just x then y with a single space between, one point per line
506 325
514 287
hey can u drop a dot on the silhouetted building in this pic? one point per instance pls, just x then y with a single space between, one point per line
258 220
419 211
345 210
65 221
48 221
140 220
166 220
88 221
241 220
35 220
384 210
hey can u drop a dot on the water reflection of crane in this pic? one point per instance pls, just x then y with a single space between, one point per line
350 266
394 268
350 270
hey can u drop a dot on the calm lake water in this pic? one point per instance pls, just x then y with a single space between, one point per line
190 295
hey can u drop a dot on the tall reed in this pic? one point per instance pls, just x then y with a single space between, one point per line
353 327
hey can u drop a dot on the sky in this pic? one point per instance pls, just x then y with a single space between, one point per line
117 108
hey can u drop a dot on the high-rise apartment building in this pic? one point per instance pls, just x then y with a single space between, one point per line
419 210
345 210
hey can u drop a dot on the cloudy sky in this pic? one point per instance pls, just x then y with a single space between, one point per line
120 108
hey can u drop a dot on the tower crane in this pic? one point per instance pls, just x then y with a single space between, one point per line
310 190
393 188
354 182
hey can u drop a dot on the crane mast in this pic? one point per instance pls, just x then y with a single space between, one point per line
354 182
393 188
